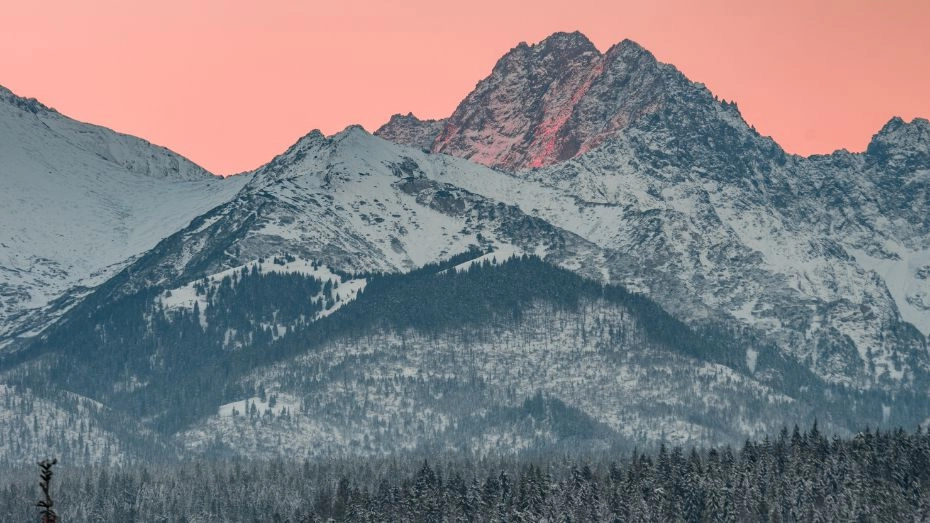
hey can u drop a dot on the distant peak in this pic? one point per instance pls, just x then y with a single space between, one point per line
313 136
311 139
626 43
352 130
558 45
899 130
409 117
628 47
900 141
896 124
26 104
410 130
562 40
558 98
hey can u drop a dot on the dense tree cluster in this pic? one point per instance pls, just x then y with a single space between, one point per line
799 476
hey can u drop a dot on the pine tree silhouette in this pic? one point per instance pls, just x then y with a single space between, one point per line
48 513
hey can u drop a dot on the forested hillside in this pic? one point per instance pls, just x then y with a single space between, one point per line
496 356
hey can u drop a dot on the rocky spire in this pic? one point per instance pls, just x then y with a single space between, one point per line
551 101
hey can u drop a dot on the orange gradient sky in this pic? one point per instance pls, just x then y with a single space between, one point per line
231 83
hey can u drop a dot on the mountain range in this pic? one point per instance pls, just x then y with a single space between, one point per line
592 250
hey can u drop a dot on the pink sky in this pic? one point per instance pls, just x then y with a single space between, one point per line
231 83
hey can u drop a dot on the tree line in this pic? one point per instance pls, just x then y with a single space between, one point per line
794 476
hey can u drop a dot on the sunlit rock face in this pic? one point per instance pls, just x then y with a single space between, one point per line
549 102
516 117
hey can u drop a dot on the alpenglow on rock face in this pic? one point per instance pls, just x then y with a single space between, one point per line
547 102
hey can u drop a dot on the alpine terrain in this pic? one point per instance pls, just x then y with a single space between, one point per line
592 251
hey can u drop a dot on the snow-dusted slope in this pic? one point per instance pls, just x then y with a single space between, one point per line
69 424
405 206
80 201
358 203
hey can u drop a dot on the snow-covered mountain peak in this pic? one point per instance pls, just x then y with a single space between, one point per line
570 43
629 48
313 136
26 104
360 203
551 101
316 154
351 133
915 132
78 202
314 150
29 119
310 140
410 130
902 144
